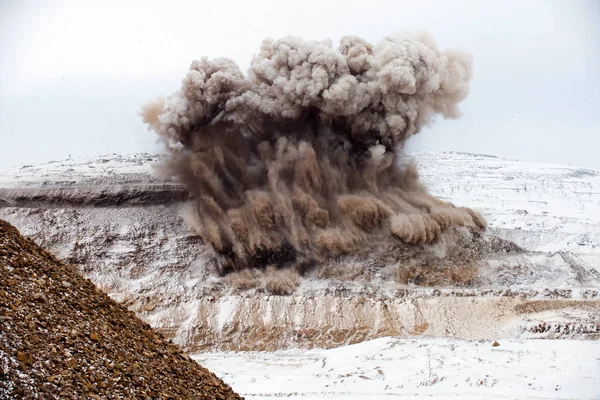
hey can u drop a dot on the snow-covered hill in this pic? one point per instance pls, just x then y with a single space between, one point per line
541 207
108 169
120 223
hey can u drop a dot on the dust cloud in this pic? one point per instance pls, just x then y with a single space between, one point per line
300 159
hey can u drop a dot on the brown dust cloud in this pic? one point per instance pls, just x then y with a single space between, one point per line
299 160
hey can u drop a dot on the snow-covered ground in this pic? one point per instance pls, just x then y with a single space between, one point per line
541 207
417 368
76 170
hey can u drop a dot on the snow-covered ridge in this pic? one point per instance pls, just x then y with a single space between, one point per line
113 180
108 168
541 207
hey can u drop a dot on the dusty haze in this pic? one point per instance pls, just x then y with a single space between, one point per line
299 159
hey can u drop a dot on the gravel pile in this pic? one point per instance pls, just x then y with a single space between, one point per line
61 338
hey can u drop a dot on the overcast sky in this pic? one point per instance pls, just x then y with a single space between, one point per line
73 74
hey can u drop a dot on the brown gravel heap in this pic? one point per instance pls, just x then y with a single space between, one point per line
61 338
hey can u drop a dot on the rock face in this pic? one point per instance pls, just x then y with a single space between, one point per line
122 227
60 337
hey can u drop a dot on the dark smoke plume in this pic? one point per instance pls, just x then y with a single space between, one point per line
296 161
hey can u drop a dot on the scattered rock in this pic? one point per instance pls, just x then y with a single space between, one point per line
21 356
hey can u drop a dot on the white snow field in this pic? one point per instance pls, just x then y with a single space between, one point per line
541 207
417 368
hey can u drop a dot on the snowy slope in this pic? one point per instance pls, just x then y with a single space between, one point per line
417 368
542 207
103 169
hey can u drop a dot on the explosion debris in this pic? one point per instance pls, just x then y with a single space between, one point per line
298 161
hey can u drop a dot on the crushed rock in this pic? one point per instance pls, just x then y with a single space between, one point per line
61 338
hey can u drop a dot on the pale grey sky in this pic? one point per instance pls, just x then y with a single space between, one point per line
73 74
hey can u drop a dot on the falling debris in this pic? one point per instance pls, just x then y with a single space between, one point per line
300 160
